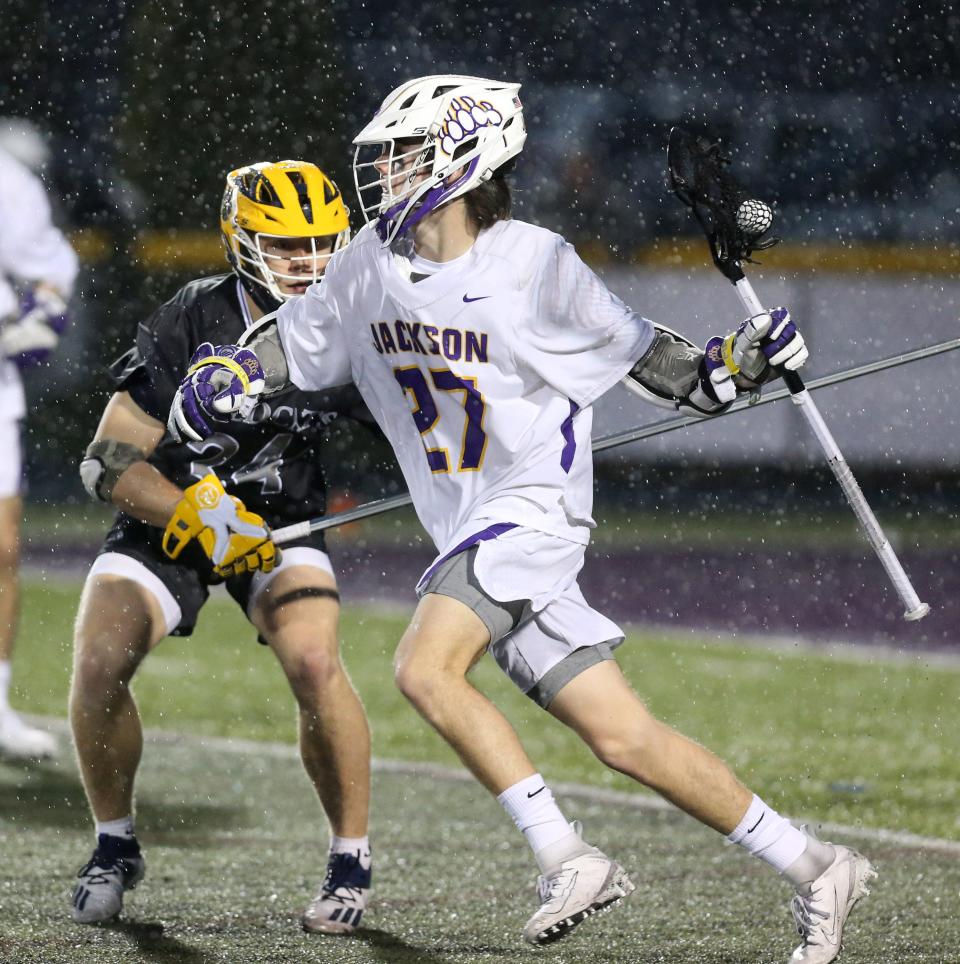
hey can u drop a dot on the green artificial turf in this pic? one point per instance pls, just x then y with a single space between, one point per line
235 847
858 740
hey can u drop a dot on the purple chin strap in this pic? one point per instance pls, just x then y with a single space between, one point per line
430 202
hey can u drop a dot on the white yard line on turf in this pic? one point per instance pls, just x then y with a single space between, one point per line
436 771
849 651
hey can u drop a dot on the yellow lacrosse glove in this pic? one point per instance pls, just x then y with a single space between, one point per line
235 540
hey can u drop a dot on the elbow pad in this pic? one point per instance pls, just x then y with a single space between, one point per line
104 462
672 375
263 339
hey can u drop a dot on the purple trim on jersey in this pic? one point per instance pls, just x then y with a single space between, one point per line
431 200
569 441
491 532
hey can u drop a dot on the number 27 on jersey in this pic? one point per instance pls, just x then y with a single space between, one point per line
426 415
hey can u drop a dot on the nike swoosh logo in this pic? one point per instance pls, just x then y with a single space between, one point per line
535 792
757 824
467 299
831 935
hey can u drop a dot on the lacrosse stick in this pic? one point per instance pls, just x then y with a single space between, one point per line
734 223
298 530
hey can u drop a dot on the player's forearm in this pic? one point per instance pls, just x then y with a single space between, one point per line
144 493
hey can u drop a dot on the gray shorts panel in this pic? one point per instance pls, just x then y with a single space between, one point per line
455 578
545 691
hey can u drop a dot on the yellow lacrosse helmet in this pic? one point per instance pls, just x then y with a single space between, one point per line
265 203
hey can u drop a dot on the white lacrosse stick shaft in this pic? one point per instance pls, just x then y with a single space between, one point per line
851 489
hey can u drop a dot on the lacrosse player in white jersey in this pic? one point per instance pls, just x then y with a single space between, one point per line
37 272
479 344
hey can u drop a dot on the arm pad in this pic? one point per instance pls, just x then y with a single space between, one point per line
263 339
672 375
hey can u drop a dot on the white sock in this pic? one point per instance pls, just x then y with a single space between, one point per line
551 857
116 828
531 805
810 864
767 835
352 845
6 671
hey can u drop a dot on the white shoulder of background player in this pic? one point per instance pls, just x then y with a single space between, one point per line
32 249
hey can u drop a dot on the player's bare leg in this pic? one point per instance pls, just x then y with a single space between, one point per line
17 738
298 615
444 640
603 709
119 622
442 643
10 509
334 734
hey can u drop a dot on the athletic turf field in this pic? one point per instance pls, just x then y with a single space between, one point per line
234 846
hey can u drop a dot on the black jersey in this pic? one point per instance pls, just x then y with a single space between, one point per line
271 462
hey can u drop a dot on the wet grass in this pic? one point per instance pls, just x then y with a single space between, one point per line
235 848
867 740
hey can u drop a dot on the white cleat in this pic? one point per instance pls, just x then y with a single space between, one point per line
21 741
115 867
820 916
343 897
583 886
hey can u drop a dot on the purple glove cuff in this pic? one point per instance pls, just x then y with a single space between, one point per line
56 318
712 354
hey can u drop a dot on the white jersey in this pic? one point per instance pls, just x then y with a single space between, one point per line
481 375
31 250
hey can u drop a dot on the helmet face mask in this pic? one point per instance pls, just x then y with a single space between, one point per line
433 140
277 261
281 223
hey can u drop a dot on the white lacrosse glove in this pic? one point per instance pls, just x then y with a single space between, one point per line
752 354
221 382
28 339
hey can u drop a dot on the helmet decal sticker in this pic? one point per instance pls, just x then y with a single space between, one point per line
463 119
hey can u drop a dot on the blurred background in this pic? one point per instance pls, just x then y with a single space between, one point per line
844 119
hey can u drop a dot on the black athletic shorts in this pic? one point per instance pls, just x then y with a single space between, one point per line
189 577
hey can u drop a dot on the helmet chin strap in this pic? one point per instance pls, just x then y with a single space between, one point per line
432 199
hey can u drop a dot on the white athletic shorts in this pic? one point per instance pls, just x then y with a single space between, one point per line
523 585
120 564
11 465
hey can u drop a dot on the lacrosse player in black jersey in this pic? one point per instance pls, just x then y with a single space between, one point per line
177 532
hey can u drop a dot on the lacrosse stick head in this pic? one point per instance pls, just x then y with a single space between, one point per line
733 221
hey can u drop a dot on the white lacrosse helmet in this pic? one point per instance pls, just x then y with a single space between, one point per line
444 123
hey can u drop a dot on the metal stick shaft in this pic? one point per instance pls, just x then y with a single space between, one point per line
369 509
915 609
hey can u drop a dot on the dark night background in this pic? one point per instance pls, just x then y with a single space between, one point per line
844 117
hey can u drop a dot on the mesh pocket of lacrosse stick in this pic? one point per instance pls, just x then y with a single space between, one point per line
731 218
